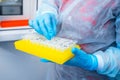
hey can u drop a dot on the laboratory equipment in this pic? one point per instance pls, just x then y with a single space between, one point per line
57 50
14 17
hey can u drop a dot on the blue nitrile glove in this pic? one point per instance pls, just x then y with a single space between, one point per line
45 24
83 60
44 60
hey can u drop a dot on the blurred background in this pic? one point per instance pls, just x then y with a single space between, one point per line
16 65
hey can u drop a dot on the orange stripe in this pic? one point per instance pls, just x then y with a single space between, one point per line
13 23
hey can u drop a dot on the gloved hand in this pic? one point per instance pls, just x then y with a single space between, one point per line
44 60
45 25
83 60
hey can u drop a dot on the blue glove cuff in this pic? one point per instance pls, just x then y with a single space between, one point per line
94 62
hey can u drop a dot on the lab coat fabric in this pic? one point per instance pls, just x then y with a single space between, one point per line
92 24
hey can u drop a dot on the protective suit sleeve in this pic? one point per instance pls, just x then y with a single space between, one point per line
48 6
109 61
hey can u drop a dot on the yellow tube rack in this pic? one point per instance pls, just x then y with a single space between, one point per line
56 55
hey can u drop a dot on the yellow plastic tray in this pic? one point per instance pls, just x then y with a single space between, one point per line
43 51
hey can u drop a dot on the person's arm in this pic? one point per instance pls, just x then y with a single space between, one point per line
104 62
48 6
45 22
109 61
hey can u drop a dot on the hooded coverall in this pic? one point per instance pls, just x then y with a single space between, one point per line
92 24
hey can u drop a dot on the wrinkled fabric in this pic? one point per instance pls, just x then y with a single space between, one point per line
118 31
111 60
92 24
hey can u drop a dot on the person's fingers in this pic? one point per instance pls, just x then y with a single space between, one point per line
48 24
71 62
34 24
77 51
54 24
44 29
44 60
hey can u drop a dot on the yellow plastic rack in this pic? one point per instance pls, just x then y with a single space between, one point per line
50 50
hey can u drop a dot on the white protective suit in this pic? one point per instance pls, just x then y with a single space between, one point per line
93 24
